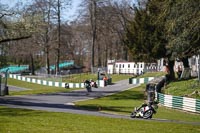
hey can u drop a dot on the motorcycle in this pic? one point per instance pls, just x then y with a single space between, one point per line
145 111
88 85
93 84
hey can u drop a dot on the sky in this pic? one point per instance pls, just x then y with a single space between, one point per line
69 13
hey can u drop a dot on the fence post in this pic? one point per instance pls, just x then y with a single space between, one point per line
0 84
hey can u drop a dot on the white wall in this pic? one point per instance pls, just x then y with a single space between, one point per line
129 67
110 68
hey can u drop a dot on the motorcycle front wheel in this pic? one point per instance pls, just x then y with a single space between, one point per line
148 114
133 114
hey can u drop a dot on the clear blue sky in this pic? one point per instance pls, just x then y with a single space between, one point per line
70 13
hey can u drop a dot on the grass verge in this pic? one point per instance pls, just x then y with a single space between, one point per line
33 88
152 74
184 88
124 102
115 77
38 89
77 78
30 121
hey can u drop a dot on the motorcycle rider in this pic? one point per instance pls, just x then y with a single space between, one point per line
87 84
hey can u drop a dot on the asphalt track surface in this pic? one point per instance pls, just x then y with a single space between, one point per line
64 102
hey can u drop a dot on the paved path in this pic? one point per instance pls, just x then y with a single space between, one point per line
64 102
70 97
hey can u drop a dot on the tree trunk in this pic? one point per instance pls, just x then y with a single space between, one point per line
185 62
93 24
99 55
125 53
106 56
47 61
58 48
171 70
32 65
47 40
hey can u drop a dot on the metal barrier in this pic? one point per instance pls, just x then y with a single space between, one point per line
176 102
140 80
54 83
182 103
46 82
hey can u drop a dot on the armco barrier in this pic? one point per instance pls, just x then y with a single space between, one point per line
140 80
182 103
45 82
52 83
176 102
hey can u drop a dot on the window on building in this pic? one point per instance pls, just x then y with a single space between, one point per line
134 66
116 65
141 65
128 65
119 65
123 65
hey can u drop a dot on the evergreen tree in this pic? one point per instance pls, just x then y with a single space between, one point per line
165 28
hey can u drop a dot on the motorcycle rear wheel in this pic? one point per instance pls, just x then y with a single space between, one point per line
148 114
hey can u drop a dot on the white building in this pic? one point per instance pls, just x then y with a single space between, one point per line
124 67
194 62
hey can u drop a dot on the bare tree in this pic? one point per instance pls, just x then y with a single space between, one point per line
43 10
57 6
92 8
58 36
108 20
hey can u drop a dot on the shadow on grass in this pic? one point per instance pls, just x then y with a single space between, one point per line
129 95
33 104
116 109
4 111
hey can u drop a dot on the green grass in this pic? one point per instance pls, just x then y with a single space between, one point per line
184 88
30 121
33 88
52 78
38 89
118 77
78 78
152 74
124 102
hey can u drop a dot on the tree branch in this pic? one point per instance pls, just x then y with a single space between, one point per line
5 14
14 39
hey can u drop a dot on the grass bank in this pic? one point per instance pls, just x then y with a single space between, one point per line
188 88
124 102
